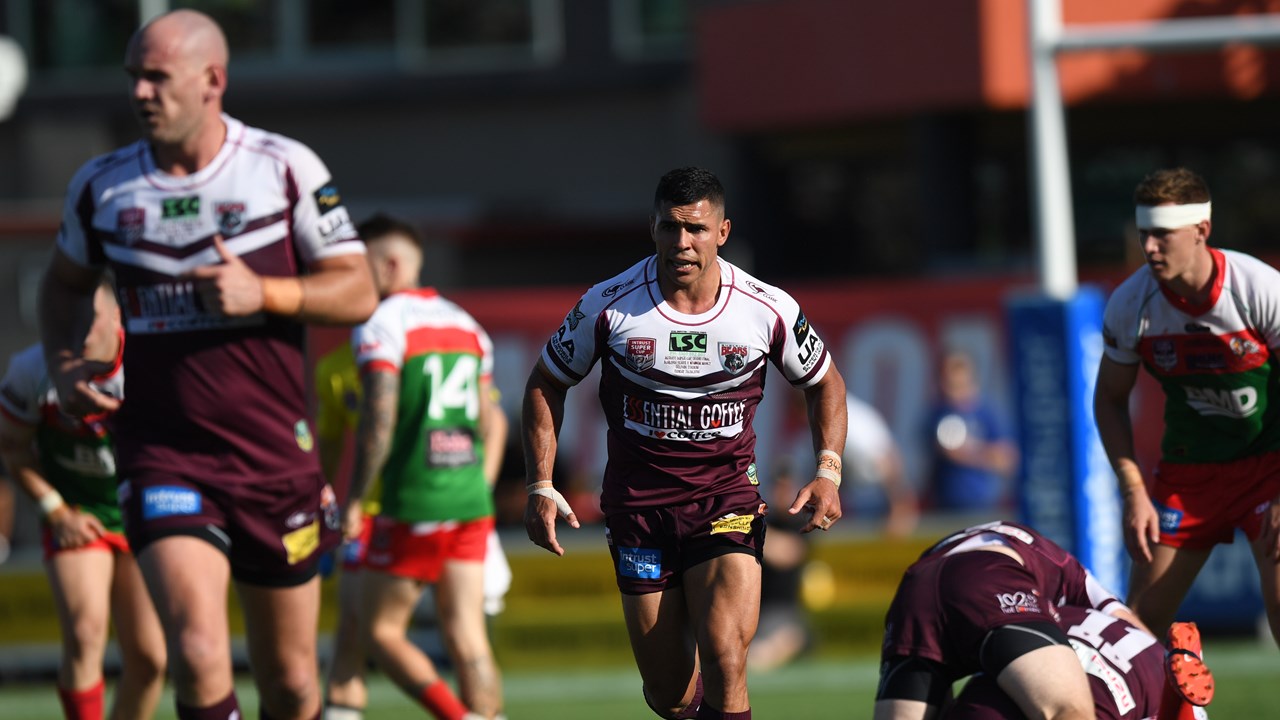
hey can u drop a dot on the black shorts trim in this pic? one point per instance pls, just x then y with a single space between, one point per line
1007 643
207 533
906 677
304 574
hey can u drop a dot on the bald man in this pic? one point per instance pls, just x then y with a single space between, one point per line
225 240
431 429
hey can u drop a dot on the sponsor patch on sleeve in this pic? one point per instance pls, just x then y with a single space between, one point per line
166 501
641 563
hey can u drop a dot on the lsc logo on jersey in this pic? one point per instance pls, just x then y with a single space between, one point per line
687 341
179 207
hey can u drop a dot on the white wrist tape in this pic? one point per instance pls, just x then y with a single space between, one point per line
51 501
562 505
1171 217
829 474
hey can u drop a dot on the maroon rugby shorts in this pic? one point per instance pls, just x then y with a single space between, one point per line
652 548
273 533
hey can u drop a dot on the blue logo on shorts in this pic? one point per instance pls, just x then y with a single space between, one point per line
353 552
159 502
642 563
1170 519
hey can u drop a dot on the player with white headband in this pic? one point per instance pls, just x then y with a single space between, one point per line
1206 324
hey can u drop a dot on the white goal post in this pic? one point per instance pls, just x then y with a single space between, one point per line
1050 168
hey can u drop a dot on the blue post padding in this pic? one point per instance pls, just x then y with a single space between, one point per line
1067 488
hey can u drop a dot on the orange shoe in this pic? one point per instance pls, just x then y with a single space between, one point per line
1186 671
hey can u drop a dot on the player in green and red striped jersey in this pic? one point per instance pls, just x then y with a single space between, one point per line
1205 323
430 427
68 466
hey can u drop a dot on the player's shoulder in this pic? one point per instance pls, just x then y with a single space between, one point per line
111 165
293 153
1131 296
1252 272
749 286
29 360
23 378
629 283
263 140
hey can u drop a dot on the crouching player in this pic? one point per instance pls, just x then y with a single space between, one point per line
984 600
1131 676
67 465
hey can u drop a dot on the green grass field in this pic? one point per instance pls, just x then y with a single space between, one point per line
1247 674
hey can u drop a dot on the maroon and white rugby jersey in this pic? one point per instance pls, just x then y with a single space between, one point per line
1125 666
679 391
1060 577
210 397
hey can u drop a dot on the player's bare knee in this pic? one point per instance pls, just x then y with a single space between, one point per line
289 690
197 655
147 665
87 637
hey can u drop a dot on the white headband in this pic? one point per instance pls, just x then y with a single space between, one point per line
1169 217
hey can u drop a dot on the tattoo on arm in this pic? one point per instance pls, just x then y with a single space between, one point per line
377 423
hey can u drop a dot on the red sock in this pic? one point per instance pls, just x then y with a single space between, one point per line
440 701
83 704
226 709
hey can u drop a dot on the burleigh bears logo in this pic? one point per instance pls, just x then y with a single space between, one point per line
733 357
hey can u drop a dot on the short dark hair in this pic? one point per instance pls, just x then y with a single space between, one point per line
382 225
1175 185
687 185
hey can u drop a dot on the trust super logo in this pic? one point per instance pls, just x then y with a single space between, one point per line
640 563
688 341
130 223
176 208
166 501
1018 602
641 352
733 357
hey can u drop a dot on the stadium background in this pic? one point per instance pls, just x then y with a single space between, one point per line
876 165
